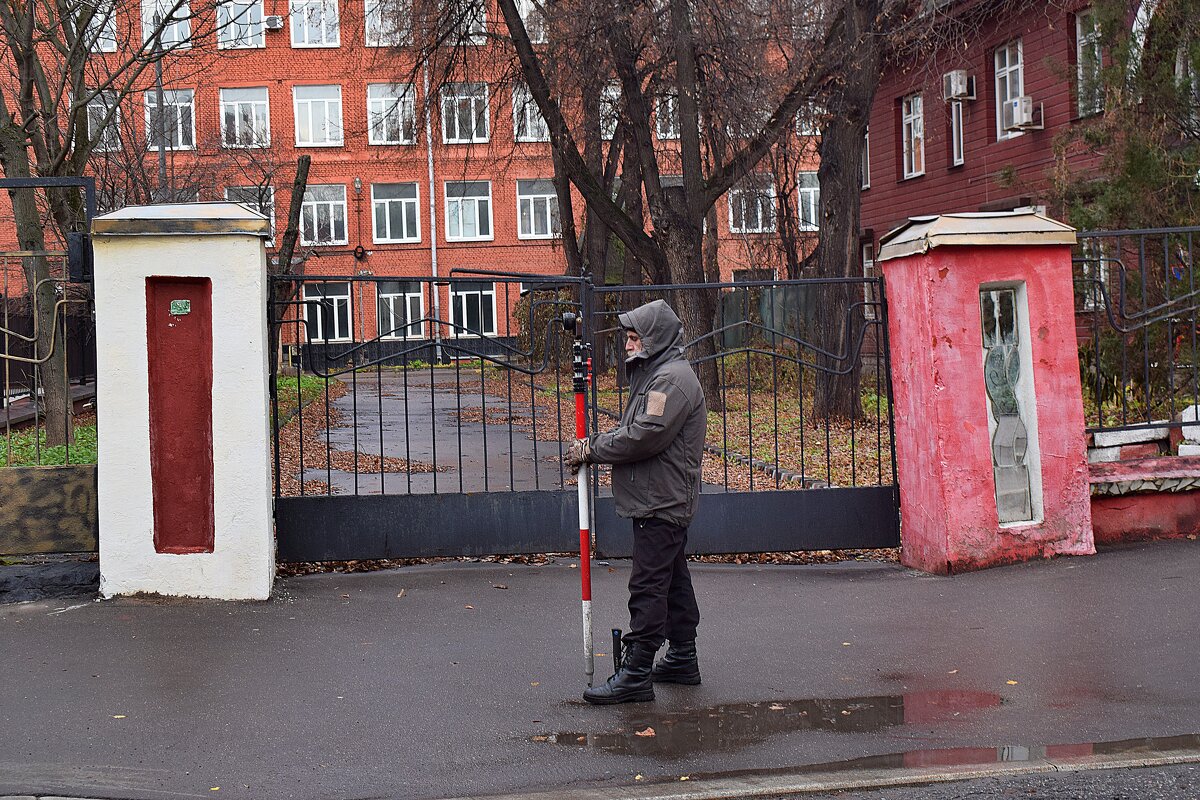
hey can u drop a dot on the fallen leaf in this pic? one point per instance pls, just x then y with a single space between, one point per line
648 732
535 683
638 778
215 789
574 566
540 738
499 586
845 644
471 607
685 777
401 593
118 716
1011 683
952 672
581 738
776 707
346 596
845 713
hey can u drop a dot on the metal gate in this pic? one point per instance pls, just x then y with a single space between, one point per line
422 417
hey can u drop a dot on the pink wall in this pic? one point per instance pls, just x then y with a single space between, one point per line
949 521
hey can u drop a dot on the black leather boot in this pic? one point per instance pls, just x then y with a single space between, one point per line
632 682
679 665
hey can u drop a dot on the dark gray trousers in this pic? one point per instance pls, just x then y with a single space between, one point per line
662 603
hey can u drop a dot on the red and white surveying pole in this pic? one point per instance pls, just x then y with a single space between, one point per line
581 378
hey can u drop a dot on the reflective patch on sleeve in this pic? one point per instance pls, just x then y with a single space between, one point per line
656 403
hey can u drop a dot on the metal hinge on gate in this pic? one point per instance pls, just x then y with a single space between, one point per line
80 261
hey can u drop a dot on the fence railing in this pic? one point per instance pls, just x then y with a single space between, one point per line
1137 296
462 384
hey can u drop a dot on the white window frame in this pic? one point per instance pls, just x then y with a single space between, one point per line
458 308
311 211
666 111
864 168
258 124
412 304
328 26
177 33
101 30
958 153
610 110
305 108
98 107
387 23
1094 267
175 127
759 192
867 254
457 203
1010 82
529 202
536 24
240 25
1089 86
267 209
528 124
393 103
338 310
475 31
808 208
405 203
912 135
473 97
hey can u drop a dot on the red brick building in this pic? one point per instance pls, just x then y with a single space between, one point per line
972 127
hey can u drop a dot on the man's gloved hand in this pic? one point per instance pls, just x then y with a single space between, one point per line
577 454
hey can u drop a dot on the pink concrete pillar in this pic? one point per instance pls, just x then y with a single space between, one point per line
990 448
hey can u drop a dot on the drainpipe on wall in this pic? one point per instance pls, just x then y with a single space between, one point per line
433 254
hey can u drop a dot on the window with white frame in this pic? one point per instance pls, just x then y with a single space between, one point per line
912 131
170 20
752 207
528 123
464 113
396 212
388 23
1089 85
809 189
105 135
869 272
666 116
100 34
245 117
468 210
1094 273
391 114
537 210
259 198
327 311
809 120
469 18
957 134
314 23
318 115
174 127
1010 84
400 310
534 17
323 215
240 24
473 308
610 110
865 167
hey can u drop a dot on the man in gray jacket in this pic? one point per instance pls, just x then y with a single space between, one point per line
656 452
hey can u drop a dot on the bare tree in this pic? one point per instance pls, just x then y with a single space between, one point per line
69 67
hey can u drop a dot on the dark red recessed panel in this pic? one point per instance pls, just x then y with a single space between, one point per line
179 325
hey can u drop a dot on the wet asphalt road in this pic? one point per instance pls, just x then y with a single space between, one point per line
454 680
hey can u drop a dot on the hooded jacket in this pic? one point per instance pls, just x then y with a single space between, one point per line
657 447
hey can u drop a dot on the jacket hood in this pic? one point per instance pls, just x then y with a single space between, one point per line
659 328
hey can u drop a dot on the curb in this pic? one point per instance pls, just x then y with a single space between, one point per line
828 778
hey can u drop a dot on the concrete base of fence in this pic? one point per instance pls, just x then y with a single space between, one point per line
1146 498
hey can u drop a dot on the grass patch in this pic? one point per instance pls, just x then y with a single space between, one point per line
27 447
310 388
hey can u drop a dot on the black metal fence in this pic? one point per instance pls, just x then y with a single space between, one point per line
462 384
1136 294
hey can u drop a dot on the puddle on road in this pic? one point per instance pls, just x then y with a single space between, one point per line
732 726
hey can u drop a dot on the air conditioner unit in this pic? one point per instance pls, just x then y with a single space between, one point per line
1020 115
273 23
958 85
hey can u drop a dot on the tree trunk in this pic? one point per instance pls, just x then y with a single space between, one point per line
696 308
284 291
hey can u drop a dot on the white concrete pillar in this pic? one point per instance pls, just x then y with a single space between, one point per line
184 472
